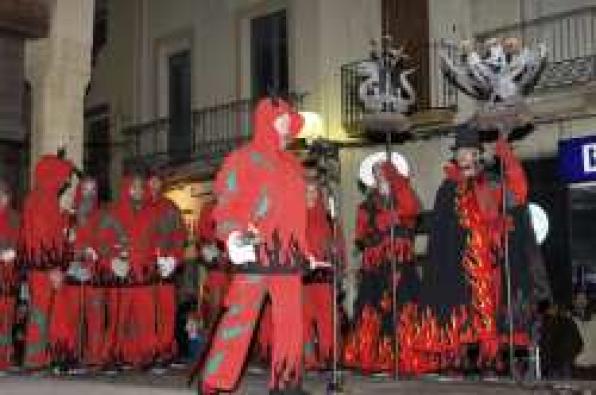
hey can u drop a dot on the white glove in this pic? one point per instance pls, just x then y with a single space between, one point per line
8 255
120 267
77 271
166 266
210 252
240 253
314 264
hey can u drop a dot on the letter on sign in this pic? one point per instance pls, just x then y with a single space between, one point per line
589 154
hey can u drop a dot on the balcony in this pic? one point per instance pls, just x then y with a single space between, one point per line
435 97
571 42
214 132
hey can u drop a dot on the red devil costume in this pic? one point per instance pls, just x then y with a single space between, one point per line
93 294
370 345
81 299
168 238
318 285
318 288
462 283
9 229
216 284
261 192
45 245
125 239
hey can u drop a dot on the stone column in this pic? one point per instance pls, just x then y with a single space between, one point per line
58 68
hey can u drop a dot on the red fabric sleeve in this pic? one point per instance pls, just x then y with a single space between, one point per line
205 229
515 177
408 206
175 238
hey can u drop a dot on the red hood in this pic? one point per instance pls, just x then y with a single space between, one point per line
52 173
265 134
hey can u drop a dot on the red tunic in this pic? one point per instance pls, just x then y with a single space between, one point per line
44 223
126 228
262 184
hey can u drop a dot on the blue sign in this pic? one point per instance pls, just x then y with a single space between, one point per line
577 159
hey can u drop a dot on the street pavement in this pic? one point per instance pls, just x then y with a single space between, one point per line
174 383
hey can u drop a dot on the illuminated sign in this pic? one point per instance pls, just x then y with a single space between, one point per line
577 159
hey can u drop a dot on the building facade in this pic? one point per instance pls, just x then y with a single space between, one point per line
173 81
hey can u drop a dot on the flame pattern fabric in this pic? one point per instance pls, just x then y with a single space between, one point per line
384 234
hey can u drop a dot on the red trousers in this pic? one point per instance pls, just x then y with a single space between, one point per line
318 324
215 288
131 329
165 320
37 338
95 317
231 342
66 325
7 312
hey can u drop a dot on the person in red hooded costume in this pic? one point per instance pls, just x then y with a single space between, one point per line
261 216
318 284
384 234
125 240
88 271
44 240
9 230
82 299
462 287
169 235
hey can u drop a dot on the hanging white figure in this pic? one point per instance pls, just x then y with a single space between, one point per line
502 72
378 92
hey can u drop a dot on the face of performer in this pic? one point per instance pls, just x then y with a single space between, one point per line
155 185
282 126
380 180
136 190
468 160
311 194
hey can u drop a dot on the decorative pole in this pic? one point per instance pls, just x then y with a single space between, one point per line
386 102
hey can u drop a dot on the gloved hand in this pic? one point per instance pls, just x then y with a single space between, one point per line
166 266
239 251
120 267
8 255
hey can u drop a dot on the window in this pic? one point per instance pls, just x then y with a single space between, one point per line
269 54
180 133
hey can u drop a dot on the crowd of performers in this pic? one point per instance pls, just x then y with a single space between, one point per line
97 280
284 245
100 289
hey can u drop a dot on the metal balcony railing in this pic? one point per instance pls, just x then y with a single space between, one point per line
570 38
213 133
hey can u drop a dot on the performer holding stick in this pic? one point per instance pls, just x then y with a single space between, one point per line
462 280
384 231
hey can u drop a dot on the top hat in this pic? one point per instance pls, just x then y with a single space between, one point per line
466 137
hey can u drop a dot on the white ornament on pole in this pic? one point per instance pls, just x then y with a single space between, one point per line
539 220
